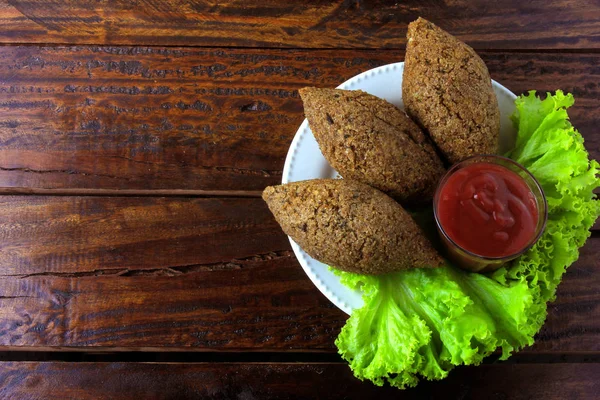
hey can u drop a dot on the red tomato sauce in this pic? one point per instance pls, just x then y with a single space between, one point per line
488 210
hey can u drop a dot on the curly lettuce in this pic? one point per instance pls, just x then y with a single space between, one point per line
425 322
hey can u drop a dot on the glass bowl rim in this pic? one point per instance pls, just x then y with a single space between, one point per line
492 157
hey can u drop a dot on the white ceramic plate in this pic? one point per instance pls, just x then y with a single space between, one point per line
305 161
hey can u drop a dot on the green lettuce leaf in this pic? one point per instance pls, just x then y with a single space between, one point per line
425 322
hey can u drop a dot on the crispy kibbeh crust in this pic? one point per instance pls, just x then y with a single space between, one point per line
447 89
367 139
350 226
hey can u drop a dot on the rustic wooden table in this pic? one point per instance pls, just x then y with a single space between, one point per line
136 256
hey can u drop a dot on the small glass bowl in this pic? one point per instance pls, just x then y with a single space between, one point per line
475 262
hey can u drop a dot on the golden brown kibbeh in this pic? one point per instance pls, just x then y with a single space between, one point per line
367 139
350 226
447 89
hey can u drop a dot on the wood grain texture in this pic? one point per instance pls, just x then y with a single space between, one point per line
313 24
285 381
192 274
154 272
132 118
91 235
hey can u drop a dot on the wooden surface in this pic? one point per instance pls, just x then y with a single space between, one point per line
135 139
286 381
193 274
202 120
314 24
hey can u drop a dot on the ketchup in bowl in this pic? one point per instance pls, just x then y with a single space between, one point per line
489 210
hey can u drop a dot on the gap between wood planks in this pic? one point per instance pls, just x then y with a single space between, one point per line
266 48
186 356
10 191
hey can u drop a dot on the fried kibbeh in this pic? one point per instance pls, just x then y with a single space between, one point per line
447 89
350 226
369 140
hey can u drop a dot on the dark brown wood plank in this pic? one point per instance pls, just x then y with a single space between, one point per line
91 235
154 272
192 274
131 118
28 380
313 24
